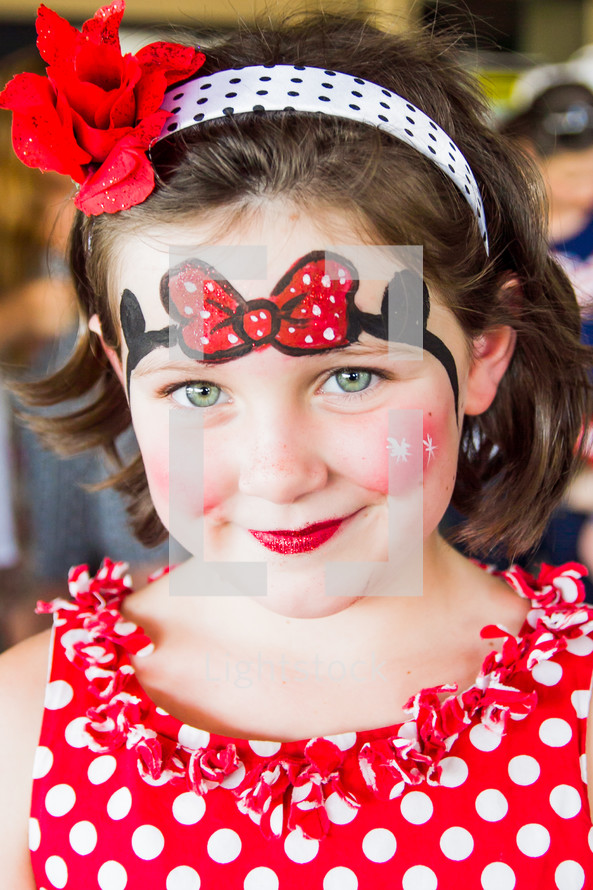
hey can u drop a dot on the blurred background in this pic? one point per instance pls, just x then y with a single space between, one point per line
534 59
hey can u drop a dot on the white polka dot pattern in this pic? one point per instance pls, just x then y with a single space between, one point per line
339 811
457 843
148 842
101 769
188 808
524 769
491 805
416 807
419 877
261 878
288 87
34 834
58 694
183 878
548 673
569 875
498 876
379 845
340 878
533 839
565 801
119 804
43 762
264 749
83 838
483 738
112 876
581 699
56 871
508 807
224 845
555 732
299 848
193 738
75 734
454 772
60 799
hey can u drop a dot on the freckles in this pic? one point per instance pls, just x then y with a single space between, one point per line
361 455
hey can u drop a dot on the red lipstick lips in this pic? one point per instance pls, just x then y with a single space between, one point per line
302 541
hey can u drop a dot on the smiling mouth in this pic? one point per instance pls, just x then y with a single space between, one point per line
302 541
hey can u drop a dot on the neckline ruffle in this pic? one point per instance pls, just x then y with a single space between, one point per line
262 776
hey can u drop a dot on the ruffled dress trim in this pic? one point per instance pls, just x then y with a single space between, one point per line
266 775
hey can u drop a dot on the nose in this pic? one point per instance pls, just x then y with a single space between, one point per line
281 460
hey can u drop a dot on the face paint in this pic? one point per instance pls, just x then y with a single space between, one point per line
429 448
311 310
308 309
398 449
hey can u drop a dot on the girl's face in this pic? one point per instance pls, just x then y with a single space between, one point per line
295 460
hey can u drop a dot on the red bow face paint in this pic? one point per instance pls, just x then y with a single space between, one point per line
307 310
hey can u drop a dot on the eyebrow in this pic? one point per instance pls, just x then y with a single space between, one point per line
151 364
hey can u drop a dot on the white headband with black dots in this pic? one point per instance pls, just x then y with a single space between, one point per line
296 88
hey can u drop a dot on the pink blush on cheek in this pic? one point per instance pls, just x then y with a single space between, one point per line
156 463
404 449
436 442
431 441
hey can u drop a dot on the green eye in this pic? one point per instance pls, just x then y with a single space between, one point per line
352 380
198 395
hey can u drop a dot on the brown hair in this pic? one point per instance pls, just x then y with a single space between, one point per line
515 459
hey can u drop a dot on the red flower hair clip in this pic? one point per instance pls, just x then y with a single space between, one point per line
96 113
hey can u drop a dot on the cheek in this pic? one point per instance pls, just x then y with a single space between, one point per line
396 453
359 452
155 456
439 443
176 462
383 453
440 456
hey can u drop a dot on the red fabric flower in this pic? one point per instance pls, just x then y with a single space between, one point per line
207 769
97 112
262 791
313 785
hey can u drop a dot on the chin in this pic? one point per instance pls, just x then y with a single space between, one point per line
298 598
305 606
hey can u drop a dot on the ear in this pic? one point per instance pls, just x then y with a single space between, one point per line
492 353
110 352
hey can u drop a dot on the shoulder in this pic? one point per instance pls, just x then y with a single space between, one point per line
23 675
23 672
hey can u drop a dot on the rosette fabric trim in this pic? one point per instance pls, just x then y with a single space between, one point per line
285 787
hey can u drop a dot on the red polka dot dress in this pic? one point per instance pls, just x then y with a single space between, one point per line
481 789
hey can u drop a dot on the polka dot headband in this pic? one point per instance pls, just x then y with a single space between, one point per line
296 88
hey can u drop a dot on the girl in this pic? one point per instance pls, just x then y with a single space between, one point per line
299 388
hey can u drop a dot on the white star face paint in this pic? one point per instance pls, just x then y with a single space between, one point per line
294 463
400 450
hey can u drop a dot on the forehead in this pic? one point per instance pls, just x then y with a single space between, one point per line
254 252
